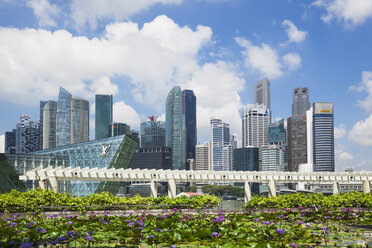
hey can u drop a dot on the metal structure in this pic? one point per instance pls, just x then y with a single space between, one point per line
53 175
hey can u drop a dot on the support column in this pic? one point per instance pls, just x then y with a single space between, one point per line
54 183
43 184
172 188
272 188
336 189
154 189
366 187
247 191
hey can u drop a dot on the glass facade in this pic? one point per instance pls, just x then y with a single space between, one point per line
9 178
79 120
103 116
49 125
63 118
297 142
189 111
220 136
175 128
246 159
114 152
277 133
153 134
159 158
10 142
42 105
301 102
117 129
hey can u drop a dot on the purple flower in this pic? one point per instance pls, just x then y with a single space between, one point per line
308 225
106 222
327 217
281 216
12 224
68 217
26 244
61 239
90 232
89 238
280 231
339 217
128 221
173 246
151 236
69 223
140 228
40 230
216 234
323 228
158 230
163 217
293 245
131 224
267 223
300 222
68 233
257 220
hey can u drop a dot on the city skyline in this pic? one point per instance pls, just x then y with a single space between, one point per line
139 54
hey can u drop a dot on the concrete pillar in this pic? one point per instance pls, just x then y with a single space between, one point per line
54 183
336 188
43 184
366 187
272 188
171 188
154 189
247 191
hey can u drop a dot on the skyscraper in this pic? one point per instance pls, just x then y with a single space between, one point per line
42 105
49 124
277 133
103 116
175 128
274 158
323 137
297 142
301 101
72 120
255 124
153 133
189 111
203 159
220 145
10 142
27 135
262 93
117 128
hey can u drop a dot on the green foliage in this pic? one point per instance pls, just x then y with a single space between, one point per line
45 200
351 199
220 190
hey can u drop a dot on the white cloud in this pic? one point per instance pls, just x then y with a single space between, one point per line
263 59
342 155
292 60
294 35
126 114
89 12
44 12
340 131
2 143
361 133
351 12
103 85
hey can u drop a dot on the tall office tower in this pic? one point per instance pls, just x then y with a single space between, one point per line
153 133
10 142
233 146
203 156
323 136
49 124
277 133
309 137
247 159
159 158
103 116
220 145
134 135
27 135
117 128
301 101
297 141
175 128
274 158
42 105
189 111
72 120
255 124
262 93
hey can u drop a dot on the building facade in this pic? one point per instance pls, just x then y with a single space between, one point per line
49 125
246 159
103 116
27 135
297 142
277 133
10 142
220 145
323 137
189 111
301 102
255 125
203 156
153 133
274 158
262 93
117 128
175 128
158 158
41 129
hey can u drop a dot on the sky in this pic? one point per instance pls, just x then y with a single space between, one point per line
138 50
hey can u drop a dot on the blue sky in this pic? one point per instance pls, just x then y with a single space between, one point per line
138 50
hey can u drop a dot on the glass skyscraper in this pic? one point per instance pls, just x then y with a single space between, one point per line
323 137
301 101
262 93
10 142
189 111
103 116
277 133
175 128
63 118
153 133
117 128
42 105
49 124
220 145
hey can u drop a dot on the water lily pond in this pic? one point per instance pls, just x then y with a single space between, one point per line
296 227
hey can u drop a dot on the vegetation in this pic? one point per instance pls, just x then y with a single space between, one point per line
220 190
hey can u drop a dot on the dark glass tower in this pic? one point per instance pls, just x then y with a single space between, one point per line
189 111
277 133
103 115
297 142
153 133
10 142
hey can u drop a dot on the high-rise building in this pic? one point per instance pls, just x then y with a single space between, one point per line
309 137
42 105
274 158
277 133
27 135
323 136
297 141
49 125
103 116
175 128
220 145
255 124
153 133
246 159
203 156
72 120
301 101
189 111
159 158
117 128
10 142
262 93
134 135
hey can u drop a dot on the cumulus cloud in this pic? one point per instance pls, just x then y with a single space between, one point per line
126 114
89 12
361 133
2 143
103 85
292 60
350 12
44 11
340 131
342 155
263 59
294 34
